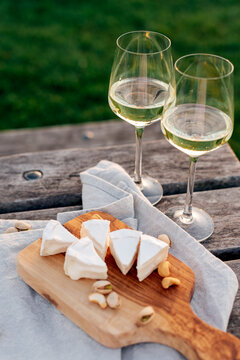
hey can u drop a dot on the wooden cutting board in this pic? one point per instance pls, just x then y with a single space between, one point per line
174 323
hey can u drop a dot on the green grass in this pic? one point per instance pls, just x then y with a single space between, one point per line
56 56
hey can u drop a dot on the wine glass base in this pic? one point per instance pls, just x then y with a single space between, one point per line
200 228
152 189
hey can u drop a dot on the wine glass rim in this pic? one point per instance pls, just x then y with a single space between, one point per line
207 55
143 31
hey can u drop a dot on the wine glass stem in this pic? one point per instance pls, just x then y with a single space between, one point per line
187 217
138 157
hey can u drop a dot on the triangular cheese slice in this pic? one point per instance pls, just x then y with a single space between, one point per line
82 261
151 253
98 231
55 239
124 246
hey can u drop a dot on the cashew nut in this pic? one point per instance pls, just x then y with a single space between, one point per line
102 287
164 268
10 230
165 238
98 299
22 226
113 300
169 281
145 315
96 216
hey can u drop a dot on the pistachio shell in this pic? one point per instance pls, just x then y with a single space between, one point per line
113 300
145 315
22 226
10 230
102 287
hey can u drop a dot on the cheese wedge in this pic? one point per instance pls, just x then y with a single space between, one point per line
55 239
151 253
98 231
82 261
124 246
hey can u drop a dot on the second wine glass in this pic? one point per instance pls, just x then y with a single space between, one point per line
142 81
199 121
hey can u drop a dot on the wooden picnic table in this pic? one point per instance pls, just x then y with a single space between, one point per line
60 153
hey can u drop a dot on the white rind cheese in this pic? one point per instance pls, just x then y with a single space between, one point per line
98 232
124 246
151 253
82 261
55 239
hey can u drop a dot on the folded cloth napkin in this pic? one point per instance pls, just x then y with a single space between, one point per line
32 328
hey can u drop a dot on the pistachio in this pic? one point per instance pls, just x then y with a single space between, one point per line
22 226
102 287
145 315
96 216
98 299
165 238
113 300
10 230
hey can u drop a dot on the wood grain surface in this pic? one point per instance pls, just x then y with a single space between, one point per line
60 184
234 321
174 323
220 204
90 135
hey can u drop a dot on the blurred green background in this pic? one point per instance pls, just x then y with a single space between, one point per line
56 55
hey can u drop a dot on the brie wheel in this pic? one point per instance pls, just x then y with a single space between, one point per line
82 261
98 231
124 246
55 239
151 253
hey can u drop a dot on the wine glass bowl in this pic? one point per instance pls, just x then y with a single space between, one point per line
141 83
200 120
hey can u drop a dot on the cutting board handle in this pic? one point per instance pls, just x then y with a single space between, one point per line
199 341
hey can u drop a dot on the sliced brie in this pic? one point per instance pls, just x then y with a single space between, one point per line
151 252
82 261
55 239
124 246
98 231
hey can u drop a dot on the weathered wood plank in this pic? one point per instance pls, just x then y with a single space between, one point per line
43 214
220 204
224 208
234 322
60 185
90 135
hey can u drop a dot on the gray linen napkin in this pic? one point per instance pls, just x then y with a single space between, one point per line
32 328
109 188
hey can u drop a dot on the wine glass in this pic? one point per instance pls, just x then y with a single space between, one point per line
142 80
200 120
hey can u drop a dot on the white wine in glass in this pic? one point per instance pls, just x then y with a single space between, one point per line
142 81
197 129
199 121
138 101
